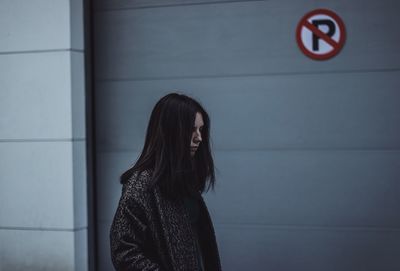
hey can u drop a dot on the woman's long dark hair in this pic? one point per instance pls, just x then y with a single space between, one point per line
166 150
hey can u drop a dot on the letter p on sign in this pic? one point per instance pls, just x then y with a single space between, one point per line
320 34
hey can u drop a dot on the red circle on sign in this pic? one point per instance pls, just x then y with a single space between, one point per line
336 45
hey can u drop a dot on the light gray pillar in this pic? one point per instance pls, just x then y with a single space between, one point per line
43 206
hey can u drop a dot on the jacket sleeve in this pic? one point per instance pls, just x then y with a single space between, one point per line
128 236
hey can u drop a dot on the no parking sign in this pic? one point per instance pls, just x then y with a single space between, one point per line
320 34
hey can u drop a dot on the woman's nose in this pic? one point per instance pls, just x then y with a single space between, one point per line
198 136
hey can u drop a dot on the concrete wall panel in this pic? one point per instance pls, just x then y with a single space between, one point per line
307 151
36 185
104 262
76 24
78 97
34 25
43 205
349 110
81 250
35 96
36 250
317 188
236 39
308 249
79 184
320 188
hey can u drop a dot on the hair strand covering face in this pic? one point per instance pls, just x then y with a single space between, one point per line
166 150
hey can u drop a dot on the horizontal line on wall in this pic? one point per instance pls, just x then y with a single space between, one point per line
100 80
305 227
174 5
42 140
43 229
366 149
41 51
396 149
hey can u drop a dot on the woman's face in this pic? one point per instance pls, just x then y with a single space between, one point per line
196 134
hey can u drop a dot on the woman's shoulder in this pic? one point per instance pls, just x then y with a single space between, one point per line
139 182
136 196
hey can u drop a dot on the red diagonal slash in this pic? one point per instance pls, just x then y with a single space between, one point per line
321 34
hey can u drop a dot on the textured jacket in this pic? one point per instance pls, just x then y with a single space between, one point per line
153 232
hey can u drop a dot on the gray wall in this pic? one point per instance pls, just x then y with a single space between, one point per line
43 209
307 151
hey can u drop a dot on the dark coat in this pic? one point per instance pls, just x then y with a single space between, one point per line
153 232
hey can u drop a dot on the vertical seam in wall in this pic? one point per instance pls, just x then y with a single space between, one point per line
70 22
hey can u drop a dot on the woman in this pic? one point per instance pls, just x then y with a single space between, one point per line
162 222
